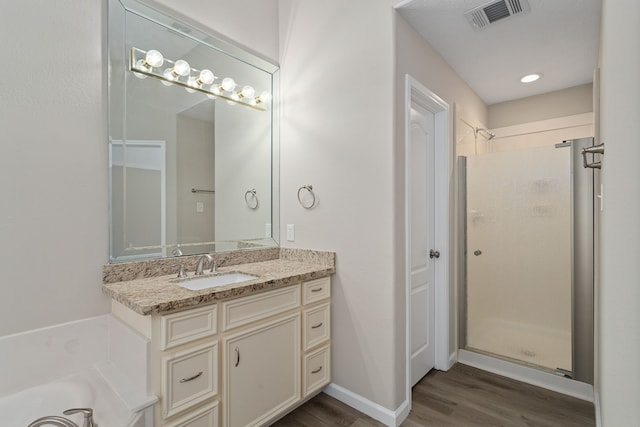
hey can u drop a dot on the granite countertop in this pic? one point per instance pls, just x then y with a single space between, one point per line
157 295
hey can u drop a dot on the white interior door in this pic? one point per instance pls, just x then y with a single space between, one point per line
421 186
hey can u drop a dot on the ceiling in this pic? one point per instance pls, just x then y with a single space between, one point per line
558 38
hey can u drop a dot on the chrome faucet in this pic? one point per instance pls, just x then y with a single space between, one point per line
200 265
53 421
88 416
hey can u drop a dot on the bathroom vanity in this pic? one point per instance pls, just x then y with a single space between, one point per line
242 354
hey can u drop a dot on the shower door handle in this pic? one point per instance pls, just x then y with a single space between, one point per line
434 254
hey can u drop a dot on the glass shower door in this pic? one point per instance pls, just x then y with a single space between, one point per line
519 256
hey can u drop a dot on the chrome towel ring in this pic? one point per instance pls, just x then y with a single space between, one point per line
305 204
251 199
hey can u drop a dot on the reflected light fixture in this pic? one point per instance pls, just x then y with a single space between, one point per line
530 78
149 63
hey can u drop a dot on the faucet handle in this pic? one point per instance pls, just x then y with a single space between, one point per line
88 415
182 273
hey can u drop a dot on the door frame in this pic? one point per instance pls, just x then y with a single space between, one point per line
416 92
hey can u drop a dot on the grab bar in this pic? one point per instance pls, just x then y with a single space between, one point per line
193 190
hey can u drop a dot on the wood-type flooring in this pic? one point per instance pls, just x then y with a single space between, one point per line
462 397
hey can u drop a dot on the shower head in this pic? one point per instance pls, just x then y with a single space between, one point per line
487 132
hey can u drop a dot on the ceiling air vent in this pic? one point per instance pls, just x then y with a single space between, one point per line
494 11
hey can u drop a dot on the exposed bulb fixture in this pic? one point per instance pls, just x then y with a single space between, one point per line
206 77
228 84
153 58
264 97
530 78
148 64
247 92
181 68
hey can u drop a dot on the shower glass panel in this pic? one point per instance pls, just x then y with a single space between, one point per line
519 256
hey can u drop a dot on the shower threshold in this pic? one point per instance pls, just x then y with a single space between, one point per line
528 373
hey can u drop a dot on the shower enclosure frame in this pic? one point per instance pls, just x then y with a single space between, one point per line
582 277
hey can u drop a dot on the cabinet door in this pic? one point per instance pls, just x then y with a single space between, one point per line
262 371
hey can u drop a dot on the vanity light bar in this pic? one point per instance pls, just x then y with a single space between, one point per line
151 63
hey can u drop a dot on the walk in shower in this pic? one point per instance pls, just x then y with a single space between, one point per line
527 256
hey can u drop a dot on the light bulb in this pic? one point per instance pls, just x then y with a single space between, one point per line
252 101
191 81
154 59
216 90
235 96
181 68
206 77
228 84
169 74
142 66
264 97
247 92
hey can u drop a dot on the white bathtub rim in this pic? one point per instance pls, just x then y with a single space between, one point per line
83 389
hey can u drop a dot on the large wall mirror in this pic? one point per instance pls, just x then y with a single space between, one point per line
193 139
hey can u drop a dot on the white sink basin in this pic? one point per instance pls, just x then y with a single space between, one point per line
198 283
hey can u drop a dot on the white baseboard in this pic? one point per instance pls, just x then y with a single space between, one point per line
527 375
453 358
596 403
379 413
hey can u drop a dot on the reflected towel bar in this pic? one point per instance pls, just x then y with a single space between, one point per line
193 190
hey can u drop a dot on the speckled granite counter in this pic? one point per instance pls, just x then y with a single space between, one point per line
161 294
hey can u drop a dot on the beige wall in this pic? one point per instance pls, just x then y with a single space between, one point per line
337 134
417 58
195 169
248 23
561 103
542 133
53 164
619 319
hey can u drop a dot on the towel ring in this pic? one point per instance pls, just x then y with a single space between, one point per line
309 189
251 199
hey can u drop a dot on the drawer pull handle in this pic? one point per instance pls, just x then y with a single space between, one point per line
316 326
186 380
237 356
316 290
317 370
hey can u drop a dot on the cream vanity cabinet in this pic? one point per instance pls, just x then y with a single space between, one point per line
239 362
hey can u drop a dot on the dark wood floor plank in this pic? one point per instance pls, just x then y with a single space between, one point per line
461 397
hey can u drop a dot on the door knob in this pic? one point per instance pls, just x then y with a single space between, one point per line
434 254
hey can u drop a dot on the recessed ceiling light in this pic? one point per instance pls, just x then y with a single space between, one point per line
530 78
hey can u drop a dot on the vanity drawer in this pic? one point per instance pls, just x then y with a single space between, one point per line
206 416
245 310
316 325
316 290
186 326
188 378
317 370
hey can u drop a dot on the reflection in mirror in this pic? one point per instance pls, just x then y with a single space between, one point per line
193 154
